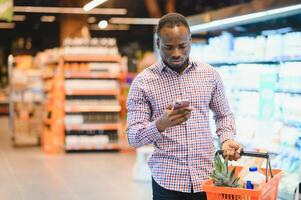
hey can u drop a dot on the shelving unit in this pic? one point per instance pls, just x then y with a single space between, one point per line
262 78
4 103
94 102
53 106
85 96
25 101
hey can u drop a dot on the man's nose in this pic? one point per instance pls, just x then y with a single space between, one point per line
176 53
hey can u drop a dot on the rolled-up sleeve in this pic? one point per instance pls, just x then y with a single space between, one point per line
223 116
140 129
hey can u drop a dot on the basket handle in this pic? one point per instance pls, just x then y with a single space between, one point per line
257 155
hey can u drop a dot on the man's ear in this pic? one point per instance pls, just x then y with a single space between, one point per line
158 43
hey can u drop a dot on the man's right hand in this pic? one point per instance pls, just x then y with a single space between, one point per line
172 117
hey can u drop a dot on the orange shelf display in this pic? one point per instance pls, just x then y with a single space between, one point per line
92 92
47 121
81 100
92 108
78 127
89 75
92 58
109 146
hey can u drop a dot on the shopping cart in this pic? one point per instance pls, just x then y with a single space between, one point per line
268 191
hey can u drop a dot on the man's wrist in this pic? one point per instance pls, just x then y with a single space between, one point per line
160 126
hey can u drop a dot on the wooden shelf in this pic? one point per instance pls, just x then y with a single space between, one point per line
93 108
92 58
78 127
92 92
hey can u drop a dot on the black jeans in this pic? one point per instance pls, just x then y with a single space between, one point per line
160 193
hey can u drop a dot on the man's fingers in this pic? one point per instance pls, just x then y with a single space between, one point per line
234 145
169 107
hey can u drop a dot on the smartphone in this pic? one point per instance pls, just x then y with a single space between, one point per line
180 104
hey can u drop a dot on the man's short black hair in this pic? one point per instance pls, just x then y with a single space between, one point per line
171 20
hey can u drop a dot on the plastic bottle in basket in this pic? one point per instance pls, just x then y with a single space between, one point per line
253 179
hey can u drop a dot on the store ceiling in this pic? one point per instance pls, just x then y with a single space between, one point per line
45 34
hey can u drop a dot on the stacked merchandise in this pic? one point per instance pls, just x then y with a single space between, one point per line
4 104
53 106
94 74
262 77
26 97
4 108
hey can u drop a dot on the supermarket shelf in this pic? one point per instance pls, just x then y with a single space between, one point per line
48 108
4 109
89 75
46 90
48 76
93 108
292 123
92 58
92 92
109 146
267 62
47 122
78 127
277 91
4 102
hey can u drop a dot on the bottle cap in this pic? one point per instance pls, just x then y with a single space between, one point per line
249 185
253 169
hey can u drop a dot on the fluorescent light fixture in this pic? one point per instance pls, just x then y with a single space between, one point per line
91 20
70 10
103 24
50 18
19 18
93 4
111 27
138 21
4 25
246 19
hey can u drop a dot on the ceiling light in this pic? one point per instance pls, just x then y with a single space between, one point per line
246 19
70 10
47 18
19 18
91 20
138 21
4 25
103 24
93 4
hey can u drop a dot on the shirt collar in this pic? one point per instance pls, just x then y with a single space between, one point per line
162 66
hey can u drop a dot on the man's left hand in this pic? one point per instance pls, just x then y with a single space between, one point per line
231 149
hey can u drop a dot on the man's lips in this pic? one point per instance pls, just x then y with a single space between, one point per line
176 60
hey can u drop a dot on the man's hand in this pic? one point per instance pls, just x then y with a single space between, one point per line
172 117
231 149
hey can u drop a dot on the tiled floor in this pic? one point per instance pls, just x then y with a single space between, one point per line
29 174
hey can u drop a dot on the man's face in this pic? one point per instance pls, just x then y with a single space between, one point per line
174 46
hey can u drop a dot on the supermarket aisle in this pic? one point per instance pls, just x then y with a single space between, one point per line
28 174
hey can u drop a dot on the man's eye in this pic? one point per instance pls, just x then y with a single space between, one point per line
183 46
168 47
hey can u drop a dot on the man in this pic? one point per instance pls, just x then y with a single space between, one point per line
183 146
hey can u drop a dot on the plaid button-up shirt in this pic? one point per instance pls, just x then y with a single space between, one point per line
183 155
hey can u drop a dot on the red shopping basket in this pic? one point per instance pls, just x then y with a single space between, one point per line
267 191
